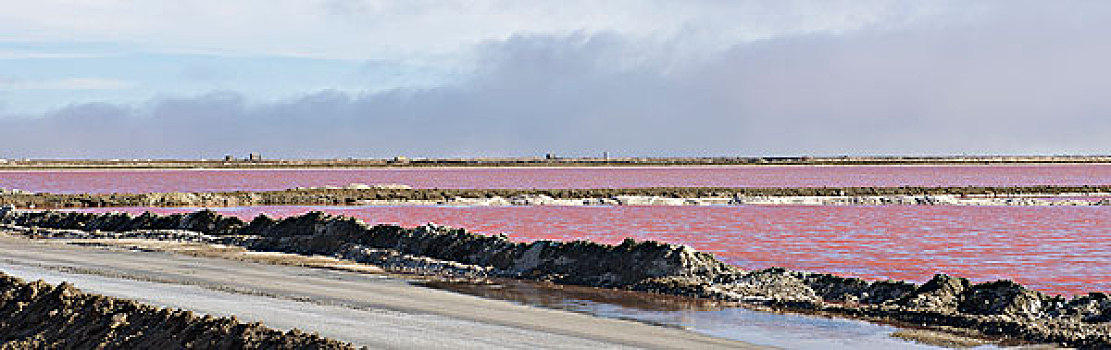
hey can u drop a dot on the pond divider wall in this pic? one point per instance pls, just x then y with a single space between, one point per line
342 196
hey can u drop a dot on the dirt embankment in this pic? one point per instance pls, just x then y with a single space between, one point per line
38 315
362 196
998 309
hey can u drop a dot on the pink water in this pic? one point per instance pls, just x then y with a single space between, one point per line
133 181
1052 249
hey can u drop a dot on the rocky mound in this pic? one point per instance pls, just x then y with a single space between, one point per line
38 315
1000 308
579 262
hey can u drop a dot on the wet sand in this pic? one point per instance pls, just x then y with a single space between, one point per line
366 309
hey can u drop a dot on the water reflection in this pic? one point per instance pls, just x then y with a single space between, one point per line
707 317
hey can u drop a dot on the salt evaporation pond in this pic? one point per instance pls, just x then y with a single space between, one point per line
137 181
1052 249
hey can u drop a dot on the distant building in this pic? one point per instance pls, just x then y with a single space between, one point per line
254 157
229 158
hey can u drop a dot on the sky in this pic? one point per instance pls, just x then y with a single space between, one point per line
364 78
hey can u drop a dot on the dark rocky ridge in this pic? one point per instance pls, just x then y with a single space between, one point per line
1001 308
355 196
579 262
38 315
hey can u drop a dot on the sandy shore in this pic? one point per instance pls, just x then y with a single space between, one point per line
365 309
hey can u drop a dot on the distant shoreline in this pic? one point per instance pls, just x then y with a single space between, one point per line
4 169
399 162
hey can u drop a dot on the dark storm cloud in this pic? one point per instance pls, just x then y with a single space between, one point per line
1021 79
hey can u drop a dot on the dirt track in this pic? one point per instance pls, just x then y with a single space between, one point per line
381 312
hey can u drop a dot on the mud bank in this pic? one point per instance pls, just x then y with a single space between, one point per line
39 315
631 196
993 309
944 199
